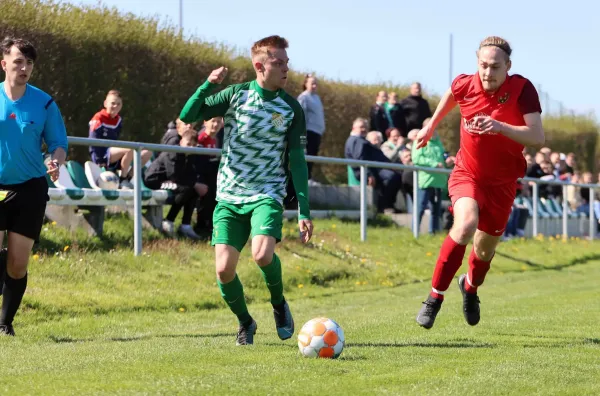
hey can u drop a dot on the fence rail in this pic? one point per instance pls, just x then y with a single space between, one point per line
363 165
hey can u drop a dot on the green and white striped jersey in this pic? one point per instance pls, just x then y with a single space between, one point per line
260 127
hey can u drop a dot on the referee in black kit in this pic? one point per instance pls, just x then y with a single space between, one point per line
28 117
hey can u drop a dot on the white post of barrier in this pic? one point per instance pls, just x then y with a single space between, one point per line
535 209
415 203
363 203
565 210
593 221
137 202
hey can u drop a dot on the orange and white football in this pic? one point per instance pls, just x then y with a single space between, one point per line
321 338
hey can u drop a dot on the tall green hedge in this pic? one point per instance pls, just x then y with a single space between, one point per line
85 51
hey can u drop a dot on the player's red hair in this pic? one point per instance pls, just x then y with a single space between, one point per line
261 47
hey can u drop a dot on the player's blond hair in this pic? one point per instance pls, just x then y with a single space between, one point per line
495 41
261 47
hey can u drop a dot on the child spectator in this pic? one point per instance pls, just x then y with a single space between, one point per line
107 124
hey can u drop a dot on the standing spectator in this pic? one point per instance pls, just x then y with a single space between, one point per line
431 184
107 124
392 146
378 114
416 108
315 119
395 113
177 172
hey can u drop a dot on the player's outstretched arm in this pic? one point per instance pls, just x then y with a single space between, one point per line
200 106
531 135
447 103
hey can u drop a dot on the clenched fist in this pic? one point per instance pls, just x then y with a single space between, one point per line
218 75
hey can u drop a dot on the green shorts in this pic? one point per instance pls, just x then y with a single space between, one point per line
234 223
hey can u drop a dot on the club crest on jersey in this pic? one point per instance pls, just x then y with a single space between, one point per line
502 99
277 120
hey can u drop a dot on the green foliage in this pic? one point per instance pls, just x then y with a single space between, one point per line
86 51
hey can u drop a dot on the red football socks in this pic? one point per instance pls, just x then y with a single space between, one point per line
477 271
448 263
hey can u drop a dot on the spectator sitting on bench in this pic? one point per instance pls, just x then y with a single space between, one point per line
393 145
178 172
107 124
385 181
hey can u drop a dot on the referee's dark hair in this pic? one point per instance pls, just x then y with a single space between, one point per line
23 45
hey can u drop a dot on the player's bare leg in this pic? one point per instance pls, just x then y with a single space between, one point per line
232 292
263 253
15 283
484 247
466 218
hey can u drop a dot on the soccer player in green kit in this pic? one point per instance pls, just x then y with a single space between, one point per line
265 134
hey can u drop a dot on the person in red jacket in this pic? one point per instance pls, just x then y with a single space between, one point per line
501 114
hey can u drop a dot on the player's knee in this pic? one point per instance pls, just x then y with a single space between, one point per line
464 231
225 273
17 264
262 257
483 253
226 263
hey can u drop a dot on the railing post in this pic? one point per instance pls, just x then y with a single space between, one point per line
593 221
565 209
415 204
363 203
535 209
137 202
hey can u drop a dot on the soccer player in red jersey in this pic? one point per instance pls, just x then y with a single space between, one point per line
501 114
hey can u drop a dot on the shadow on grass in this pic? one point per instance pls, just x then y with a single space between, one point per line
448 344
71 340
577 261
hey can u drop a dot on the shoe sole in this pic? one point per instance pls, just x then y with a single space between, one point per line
461 282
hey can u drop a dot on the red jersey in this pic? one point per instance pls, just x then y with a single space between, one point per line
493 159
206 141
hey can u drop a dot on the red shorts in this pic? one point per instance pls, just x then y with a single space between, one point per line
495 202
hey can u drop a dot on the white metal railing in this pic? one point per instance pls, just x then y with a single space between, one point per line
137 174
